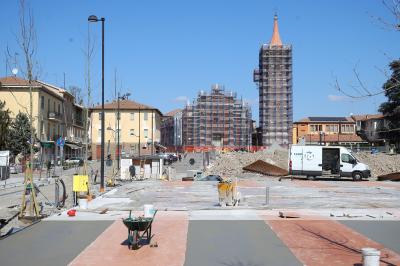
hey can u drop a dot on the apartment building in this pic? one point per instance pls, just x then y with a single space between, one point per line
326 130
369 127
55 114
138 129
171 130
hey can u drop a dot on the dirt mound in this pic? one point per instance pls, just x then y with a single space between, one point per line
231 164
380 163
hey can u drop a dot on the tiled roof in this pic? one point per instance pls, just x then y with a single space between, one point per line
367 117
334 138
125 105
173 112
16 81
325 119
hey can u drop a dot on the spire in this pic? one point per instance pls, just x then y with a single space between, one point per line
276 39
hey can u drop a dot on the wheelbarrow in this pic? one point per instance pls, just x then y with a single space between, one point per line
138 229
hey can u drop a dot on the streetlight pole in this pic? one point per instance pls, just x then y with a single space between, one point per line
118 149
93 18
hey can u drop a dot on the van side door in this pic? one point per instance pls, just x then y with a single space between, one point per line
312 161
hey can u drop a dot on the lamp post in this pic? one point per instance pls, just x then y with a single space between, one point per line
123 97
93 18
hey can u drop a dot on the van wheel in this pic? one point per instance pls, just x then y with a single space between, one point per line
357 176
311 177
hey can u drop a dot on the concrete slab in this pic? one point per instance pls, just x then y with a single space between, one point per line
384 232
49 243
235 243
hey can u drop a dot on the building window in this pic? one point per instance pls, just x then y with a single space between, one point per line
315 128
347 128
132 116
42 102
48 105
131 132
145 132
100 116
332 128
145 116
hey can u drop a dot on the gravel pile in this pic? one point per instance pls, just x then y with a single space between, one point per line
231 164
380 163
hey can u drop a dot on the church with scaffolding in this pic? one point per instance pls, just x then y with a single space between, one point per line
216 120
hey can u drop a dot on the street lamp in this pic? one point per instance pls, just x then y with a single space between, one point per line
93 18
123 97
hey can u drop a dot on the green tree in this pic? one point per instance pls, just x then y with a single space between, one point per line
391 108
19 135
5 121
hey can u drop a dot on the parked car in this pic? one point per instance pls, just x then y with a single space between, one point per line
74 160
15 168
210 178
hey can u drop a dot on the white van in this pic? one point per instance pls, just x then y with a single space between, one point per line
313 161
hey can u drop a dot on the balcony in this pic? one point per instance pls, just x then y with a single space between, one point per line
78 122
54 116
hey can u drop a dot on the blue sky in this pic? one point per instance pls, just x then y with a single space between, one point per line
166 51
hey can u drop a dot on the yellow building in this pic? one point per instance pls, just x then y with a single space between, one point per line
54 112
139 128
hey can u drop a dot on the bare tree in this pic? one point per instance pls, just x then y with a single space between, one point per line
88 52
77 93
27 42
360 90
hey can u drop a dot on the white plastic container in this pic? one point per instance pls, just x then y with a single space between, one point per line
370 256
148 210
83 204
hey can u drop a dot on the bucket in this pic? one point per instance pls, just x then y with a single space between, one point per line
370 256
148 210
83 204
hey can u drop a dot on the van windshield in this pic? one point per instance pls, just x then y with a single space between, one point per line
354 157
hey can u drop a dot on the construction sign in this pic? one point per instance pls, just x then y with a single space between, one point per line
80 183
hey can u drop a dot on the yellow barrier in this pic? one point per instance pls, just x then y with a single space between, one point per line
80 183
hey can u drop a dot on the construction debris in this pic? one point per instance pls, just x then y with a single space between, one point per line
231 164
380 163
390 177
265 168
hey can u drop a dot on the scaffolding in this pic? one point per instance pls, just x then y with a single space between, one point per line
217 120
274 79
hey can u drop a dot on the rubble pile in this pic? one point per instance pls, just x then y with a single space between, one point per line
231 164
380 163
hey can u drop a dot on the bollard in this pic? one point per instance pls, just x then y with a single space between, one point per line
370 256
266 195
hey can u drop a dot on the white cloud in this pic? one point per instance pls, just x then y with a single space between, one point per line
337 98
181 99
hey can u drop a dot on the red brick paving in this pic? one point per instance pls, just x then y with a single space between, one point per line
170 232
312 184
326 242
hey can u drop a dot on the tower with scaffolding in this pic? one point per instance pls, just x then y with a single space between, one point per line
274 80
216 120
